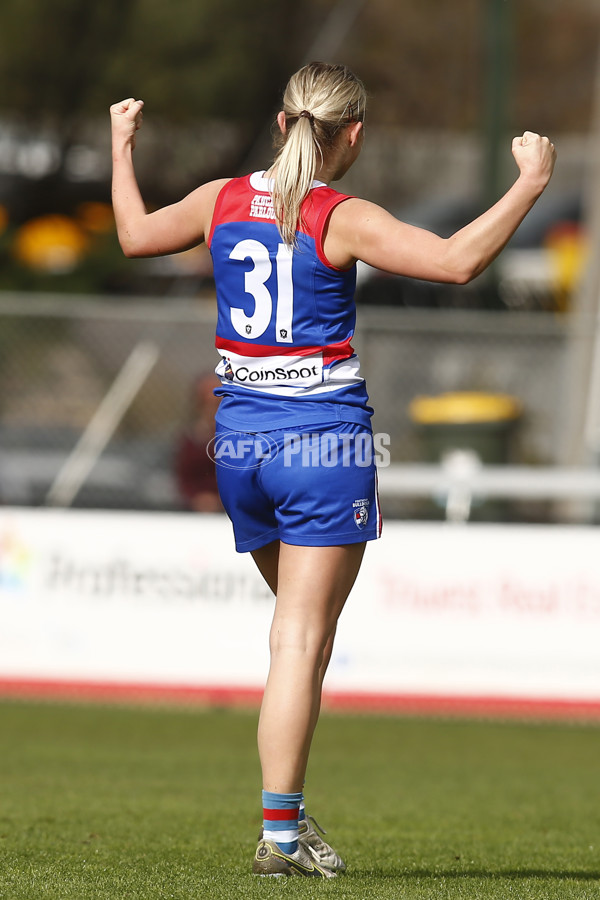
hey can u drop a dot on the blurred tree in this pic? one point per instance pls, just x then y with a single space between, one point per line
212 71
422 61
62 62
51 58
213 58
425 63
557 47
52 55
194 59
200 62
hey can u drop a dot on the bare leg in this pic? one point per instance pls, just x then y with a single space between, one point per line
312 586
267 560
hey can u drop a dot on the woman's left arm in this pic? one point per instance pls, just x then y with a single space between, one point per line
362 230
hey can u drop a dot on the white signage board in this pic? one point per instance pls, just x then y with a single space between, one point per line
476 610
164 600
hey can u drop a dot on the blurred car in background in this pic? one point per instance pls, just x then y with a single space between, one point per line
540 263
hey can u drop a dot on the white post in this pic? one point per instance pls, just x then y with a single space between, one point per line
103 424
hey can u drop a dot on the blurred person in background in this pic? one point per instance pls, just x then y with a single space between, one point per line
285 247
195 470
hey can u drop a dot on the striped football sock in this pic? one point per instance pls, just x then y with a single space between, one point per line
280 819
302 811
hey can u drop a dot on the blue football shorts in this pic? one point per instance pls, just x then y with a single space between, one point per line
314 487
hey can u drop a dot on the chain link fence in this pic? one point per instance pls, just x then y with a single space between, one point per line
109 382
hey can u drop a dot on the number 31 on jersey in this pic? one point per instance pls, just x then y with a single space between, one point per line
255 284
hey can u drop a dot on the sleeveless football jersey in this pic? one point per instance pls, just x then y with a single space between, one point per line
286 316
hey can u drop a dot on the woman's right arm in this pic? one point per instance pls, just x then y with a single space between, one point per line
168 230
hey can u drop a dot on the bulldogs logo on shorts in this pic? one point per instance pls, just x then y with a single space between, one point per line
361 513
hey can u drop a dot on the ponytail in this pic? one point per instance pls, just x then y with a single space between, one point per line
318 102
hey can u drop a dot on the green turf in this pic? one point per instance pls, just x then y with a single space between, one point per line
100 802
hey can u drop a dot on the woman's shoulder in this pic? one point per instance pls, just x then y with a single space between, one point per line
347 223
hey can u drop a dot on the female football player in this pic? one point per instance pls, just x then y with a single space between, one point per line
299 484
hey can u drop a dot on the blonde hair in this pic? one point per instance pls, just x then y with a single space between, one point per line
319 100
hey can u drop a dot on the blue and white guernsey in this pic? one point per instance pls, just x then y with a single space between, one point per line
286 316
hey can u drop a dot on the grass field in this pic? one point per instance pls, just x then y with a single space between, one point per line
117 802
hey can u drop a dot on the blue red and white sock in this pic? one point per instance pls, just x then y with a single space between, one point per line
280 819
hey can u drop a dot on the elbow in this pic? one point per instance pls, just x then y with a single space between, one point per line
461 265
464 276
129 247
459 275
464 271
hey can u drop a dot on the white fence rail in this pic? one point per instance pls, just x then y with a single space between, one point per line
461 481
59 357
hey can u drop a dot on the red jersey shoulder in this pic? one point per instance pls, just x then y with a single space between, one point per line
317 207
248 199
232 204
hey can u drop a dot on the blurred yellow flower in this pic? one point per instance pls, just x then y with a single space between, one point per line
96 217
52 243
